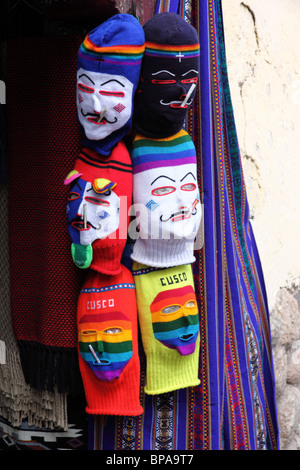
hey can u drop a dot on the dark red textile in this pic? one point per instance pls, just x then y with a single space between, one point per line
43 143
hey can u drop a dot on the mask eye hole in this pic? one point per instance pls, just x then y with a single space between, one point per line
113 330
119 94
85 88
190 80
97 201
188 187
191 304
163 191
171 309
162 82
73 196
88 332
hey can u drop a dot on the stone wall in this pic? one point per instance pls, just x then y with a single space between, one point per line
264 73
285 329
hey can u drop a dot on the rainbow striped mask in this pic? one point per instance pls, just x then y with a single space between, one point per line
105 342
175 319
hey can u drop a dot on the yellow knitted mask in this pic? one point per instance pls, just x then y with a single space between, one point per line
169 323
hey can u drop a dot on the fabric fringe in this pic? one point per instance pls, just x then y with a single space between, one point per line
46 367
19 402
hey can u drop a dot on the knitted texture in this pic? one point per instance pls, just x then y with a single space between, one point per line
169 323
44 283
166 199
169 74
107 343
97 209
109 63
18 401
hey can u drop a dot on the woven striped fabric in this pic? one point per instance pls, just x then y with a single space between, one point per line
234 407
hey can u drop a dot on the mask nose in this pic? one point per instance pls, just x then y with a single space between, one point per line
181 199
187 95
99 107
100 348
181 91
96 103
82 213
80 209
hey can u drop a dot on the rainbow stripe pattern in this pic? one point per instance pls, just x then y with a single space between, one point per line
186 51
105 343
118 54
155 153
175 319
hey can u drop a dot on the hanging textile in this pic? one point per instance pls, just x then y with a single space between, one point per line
18 401
43 140
234 407
237 369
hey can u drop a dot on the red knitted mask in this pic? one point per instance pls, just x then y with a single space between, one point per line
107 343
97 210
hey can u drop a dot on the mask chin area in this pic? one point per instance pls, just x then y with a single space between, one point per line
187 349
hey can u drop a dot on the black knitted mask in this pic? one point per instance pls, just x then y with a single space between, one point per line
170 71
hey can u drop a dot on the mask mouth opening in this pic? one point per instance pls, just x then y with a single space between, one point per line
97 361
102 362
186 337
181 215
95 120
178 105
79 225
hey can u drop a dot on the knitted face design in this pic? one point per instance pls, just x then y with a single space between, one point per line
171 200
175 319
92 210
105 339
169 75
104 102
108 70
168 86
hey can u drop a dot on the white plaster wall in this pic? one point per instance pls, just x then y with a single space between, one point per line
263 58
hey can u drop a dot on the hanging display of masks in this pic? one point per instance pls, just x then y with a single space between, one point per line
160 178
165 189
167 204
100 193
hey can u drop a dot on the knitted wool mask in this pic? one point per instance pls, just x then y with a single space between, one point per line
97 212
102 210
109 61
107 343
169 323
175 319
104 330
166 200
170 71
